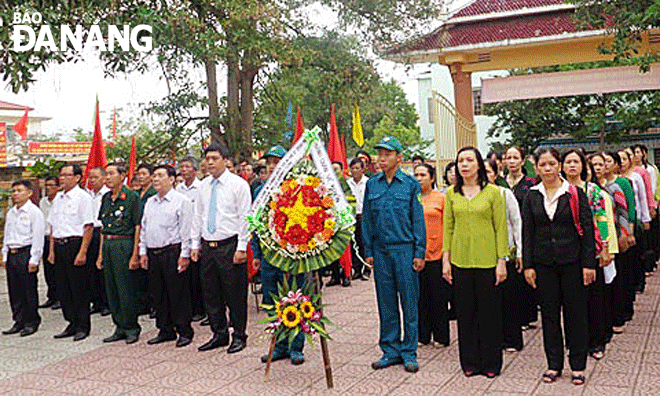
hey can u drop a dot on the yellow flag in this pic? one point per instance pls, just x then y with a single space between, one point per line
357 126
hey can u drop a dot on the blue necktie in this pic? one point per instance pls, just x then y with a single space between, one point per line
213 206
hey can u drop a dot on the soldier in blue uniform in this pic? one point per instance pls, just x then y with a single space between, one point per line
394 235
272 276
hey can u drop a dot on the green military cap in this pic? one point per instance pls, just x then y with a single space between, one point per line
275 151
390 143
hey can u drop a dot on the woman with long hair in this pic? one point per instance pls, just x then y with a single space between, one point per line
559 263
434 291
475 248
520 183
449 176
511 291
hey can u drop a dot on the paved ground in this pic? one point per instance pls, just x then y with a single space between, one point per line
41 365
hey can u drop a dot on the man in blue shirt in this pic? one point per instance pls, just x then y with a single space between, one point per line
272 276
394 235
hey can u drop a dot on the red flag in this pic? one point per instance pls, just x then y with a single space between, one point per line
344 157
97 156
299 127
21 125
334 144
346 262
131 162
114 124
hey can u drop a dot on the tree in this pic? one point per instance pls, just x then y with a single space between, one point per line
627 20
409 138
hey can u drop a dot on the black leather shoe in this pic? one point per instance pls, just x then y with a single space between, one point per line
68 332
132 339
28 331
345 282
15 329
160 338
237 345
57 305
95 310
333 282
183 341
81 335
105 311
216 342
205 322
152 313
114 338
49 303
198 317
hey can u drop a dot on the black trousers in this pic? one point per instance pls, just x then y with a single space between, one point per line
479 314
609 305
622 288
358 247
49 272
22 286
171 291
195 284
512 307
433 308
530 302
72 285
97 281
224 284
597 313
562 287
144 298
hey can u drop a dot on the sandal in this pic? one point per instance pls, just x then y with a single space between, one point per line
578 379
598 355
550 376
617 329
469 373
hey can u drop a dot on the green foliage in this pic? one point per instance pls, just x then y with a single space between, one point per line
42 170
409 138
627 21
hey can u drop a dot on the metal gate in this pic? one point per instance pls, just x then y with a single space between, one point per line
452 130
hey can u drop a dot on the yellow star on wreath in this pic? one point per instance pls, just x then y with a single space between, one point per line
298 213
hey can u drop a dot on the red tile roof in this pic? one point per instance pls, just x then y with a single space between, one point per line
482 7
12 106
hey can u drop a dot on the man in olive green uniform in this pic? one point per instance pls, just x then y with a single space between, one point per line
121 215
144 173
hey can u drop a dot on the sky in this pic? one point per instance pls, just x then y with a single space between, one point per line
66 93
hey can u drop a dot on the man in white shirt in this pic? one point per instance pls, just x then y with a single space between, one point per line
358 185
22 247
71 222
97 189
220 227
165 240
52 187
190 188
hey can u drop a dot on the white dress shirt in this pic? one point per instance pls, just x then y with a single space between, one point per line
654 177
232 206
513 219
639 190
358 190
71 212
24 226
98 198
550 203
166 221
191 192
45 205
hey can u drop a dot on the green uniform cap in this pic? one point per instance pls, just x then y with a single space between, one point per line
390 143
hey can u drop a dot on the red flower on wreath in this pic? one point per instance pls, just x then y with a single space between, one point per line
122 196
280 221
315 221
310 197
296 235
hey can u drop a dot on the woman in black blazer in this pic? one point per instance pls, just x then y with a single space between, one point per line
560 263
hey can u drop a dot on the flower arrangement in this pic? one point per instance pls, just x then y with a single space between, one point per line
296 311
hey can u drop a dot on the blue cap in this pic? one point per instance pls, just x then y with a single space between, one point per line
275 151
390 143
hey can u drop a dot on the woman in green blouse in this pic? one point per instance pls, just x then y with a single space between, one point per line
475 247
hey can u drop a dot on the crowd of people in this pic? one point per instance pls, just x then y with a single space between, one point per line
573 235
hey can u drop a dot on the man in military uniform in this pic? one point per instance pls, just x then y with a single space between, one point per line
394 235
144 173
121 214
272 276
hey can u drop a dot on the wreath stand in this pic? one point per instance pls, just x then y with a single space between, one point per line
324 345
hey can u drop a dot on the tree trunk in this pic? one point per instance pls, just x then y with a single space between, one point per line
247 109
214 110
233 109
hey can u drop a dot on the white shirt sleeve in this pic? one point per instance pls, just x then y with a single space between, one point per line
196 224
515 220
86 210
187 214
142 246
38 226
244 202
640 192
5 248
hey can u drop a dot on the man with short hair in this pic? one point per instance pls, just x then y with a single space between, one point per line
220 227
121 214
358 185
71 221
417 160
22 246
97 189
190 188
165 239
52 187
